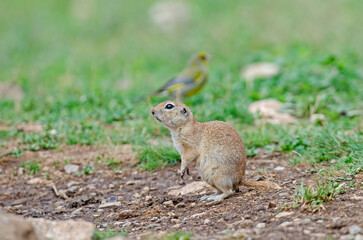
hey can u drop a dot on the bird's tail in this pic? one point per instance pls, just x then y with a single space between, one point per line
157 92
262 184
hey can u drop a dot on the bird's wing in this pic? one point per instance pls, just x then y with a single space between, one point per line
188 76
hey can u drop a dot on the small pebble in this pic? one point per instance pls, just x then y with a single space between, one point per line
261 225
354 229
136 195
207 221
168 203
71 168
112 199
279 168
128 183
72 189
146 189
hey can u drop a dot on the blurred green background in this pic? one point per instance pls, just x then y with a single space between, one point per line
82 63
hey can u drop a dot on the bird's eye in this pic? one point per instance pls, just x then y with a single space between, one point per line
169 106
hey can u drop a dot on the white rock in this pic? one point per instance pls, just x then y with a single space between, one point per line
130 183
261 225
146 189
279 168
35 181
136 195
110 204
268 111
285 224
354 229
284 214
306 221
194 187
71 168
260 70
168 203
207 221
197 215
42 229
346 237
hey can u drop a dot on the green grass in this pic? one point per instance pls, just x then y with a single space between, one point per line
88 169
316 196
153 157
31 168
99 235
81 69
177 236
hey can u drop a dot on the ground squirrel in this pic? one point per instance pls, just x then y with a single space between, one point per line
215 148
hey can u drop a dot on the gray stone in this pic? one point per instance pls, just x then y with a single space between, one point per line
207 221
15 228
70 229
354 229
346 237
110 204
284 214
306 221
261 225
279 168
73 189
285 224
71 168
18 228
168 203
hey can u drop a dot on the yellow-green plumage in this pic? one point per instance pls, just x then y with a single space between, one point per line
190 81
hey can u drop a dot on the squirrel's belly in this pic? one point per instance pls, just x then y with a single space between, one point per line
207 170
176 143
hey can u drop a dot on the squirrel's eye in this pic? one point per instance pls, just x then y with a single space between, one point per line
169 106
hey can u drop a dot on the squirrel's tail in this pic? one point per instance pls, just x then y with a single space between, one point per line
262 184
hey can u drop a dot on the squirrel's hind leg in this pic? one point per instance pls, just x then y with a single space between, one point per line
205 197
222 193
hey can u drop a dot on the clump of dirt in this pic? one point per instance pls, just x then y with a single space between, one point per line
116 195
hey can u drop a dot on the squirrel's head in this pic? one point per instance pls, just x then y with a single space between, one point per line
172 114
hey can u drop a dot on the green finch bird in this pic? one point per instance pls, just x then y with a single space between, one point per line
190 81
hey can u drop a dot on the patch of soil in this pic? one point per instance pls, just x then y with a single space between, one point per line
137 201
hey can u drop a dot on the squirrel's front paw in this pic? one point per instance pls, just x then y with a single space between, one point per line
183 171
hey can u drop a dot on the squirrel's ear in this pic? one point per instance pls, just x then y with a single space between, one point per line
184 112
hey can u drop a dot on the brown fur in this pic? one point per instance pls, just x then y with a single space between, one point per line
215 148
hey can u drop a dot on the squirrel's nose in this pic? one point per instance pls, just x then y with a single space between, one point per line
152 112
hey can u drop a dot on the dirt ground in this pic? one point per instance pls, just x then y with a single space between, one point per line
138 202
